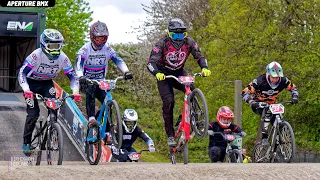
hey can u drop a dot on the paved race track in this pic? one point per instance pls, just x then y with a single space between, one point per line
146 171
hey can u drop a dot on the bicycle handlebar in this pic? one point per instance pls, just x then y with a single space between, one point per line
109 80
177 79
45 98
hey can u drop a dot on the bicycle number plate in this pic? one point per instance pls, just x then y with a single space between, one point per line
104 85
277 108
186 79
51 104
134 156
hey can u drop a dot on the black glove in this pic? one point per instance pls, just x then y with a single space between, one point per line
295 100
256 105
127 75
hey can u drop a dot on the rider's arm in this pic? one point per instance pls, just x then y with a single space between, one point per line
250 89
155 57
195 51
117 60
291 87
79 65
25 69
68 70
147 139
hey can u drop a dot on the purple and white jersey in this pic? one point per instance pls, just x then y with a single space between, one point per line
38 66
93 64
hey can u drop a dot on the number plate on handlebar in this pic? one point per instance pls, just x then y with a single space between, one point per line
186 79
277 108
51 104
134 156
105 85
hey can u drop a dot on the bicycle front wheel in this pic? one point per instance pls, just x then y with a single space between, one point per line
93 145
198 113
55 145
236 156
115 123
287 146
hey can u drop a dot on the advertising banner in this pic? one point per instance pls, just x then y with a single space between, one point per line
18 24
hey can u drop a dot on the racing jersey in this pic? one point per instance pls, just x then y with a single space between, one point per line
260 90
130 138
218 139
167 58
93 64
38 66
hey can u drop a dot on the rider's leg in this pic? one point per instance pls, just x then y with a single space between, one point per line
167 96
266 122
223 153
214 153
33 113
90 104
48 90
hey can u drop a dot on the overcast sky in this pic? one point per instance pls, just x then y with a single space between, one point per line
119 16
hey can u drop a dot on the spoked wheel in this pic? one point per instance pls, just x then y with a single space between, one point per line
37 144
260 154
185 153
115 123
55 145
93 145
236 156
287 148
198 113
172 156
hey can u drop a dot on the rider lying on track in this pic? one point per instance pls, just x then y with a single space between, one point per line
217 143
131 133
265 89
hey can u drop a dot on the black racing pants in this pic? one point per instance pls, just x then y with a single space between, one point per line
267 119
165 89
217 153
92 92
45 89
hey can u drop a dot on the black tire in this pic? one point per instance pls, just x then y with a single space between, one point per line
115 123
172 156
199 118
287 146
236 156
259 154
55 145
93 149
185 153
36 144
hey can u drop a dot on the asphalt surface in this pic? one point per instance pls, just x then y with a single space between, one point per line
12 119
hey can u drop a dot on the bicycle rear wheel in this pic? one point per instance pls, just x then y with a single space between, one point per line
198 113
287 146
55 145
260 154
93 145
115 123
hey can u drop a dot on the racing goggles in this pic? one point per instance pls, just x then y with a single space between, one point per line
177 36
54 46
100 39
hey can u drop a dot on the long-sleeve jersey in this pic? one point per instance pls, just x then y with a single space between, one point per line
38 66
166 58
130 138
260 90
218 139
93 64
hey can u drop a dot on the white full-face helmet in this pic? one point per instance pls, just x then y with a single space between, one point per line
129 120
